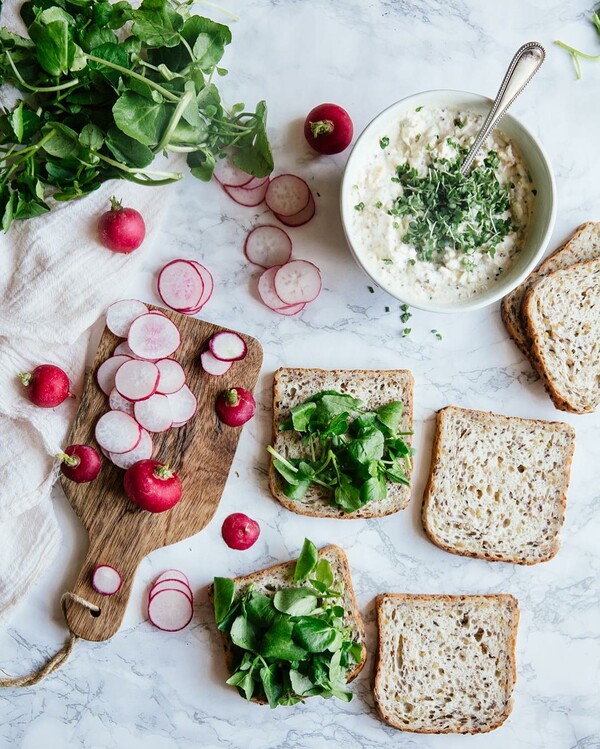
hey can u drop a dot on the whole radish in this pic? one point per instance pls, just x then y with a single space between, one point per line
80 463
235 407
239 531
152 485
121 229
328 129
47 386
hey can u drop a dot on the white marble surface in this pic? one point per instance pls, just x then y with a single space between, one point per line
154 690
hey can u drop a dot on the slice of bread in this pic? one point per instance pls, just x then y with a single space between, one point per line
446 664
562 318
497 485
582 246
374 388
272 579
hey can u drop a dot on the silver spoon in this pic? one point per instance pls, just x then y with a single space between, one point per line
523 67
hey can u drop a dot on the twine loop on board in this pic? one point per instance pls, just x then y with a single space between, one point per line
58 659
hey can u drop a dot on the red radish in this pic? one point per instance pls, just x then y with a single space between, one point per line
183 405
106 580
209 285
154 414
123 350
105 375
290 311
213 366
171 376
173 574
300 218
297 281
229 175
117 432
180 285
267 246
328 129
153 337
121 229
287 195
235 406
47 386
153 486
171 585
249 198
118 403
80 463
120 315
228 346
137 380
239 531
170 610
266 290
142 451
255 182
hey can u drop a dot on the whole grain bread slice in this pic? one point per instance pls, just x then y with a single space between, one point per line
497 485
584 245
374 388
561 314
446 664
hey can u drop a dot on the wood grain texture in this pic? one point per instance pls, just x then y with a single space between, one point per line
201 452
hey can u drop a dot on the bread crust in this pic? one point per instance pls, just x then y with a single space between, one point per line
514 605
368 511
488 557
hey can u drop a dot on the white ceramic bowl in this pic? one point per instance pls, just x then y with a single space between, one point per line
536 161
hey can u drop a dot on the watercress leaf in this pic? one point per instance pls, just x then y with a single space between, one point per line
141 119
202 164
292 477
54 13
396 473
121 12
373 489
244 682
332 405
336 642
95 37
223 593
347 496
288 699
364 422
127 150
323 572
189 135
368 447
337 426
277 643
113 53
8 211
91 137
355 651
254 151
54 50
301 415
270 685
306 562
337 674
156 23
301 684
261 611
243 634
295 601
10 40
64 140
17 124
29 208
342 694
391 415
296 491
314 635
207 40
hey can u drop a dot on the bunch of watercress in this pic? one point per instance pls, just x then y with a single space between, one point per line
101 99
350 452
291 645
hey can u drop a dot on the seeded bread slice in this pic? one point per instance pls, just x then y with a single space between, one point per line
562 318
374 388
272 579
497 486
582 246
446 664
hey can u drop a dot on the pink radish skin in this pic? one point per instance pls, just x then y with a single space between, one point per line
287 195
300 218
171 376
118 403
106 373
267 246
183 405
235 407
106 580
213 366
80 463
123 350
153 486
248 198
266 290
170 610
143 451
228 346
137 380
294 309
120 315
117 432
121 229
297 281
209 284
239 531
173 574
228 175
171 585
47 386
254 182
153 337
328 129
154 414
180 285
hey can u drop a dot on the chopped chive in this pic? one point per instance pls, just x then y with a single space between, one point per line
371 289
378 204
384 142
418 109
359 206
437 334
387 309
407 331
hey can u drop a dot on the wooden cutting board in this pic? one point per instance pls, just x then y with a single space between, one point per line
201 452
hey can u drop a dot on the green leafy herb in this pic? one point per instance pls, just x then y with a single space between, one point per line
307 561
384 142
387 309
378 204
406 314
418 109
371 289
359 207
437 334
406 332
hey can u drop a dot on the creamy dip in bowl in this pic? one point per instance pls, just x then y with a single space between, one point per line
427 235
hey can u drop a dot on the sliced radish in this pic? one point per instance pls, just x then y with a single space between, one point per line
171 585
249 198
154 414
228 346
229 175
300 218
254 182
124 350
173 574
137 380
287 195
117 432
118 403
183 405
209 283
172 376
143 451
105 376
170 610
291 310
153 337
268 246
213 366
297 281
106 580
266 289
120 315
180 286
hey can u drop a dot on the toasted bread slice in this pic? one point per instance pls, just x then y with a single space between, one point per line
374 388
446 664
497 485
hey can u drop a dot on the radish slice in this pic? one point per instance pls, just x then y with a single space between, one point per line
228 346
171 585
120 315
173 574
117 432
154 414
254 182
143 451
105 376
249 198
170 610
118 403
183 405
213 366
153 337
266 289
209 283
228 175
124 350
106 580
137 380
172 376
287 195
300 218
297 281
291 310
180 286
268 246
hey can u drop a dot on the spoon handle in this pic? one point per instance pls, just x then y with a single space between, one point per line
521 70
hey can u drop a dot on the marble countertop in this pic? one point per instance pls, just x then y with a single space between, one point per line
154 690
